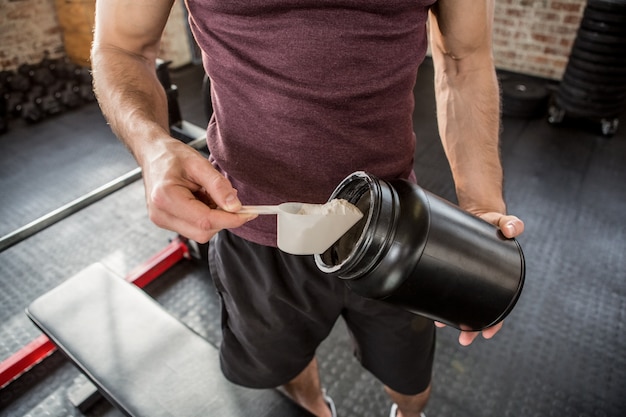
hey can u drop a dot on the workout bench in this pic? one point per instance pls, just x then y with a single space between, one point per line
142 359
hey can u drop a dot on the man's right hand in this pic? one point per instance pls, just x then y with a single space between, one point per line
185 194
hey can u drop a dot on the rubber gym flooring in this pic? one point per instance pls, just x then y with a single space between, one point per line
562 351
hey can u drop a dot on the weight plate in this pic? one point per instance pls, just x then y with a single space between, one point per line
523 97
598 48
597 67
617 6
600 37
609 88
591 77
603 16
609 28
524 89
573 109
596 108
594 96
606 59
582 110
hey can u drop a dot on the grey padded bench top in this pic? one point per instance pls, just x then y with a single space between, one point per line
142 359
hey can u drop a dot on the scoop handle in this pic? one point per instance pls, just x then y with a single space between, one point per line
259 210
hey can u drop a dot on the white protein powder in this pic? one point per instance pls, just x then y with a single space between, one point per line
335 206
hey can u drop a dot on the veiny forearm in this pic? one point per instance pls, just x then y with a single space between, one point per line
468 113
130 96
468 105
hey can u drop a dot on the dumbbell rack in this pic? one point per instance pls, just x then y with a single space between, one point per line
36 91
594 83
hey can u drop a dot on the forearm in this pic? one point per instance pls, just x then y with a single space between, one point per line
468 114
126 43
468 105
131 97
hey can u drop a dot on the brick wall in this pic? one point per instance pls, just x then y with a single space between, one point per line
30 28
535 36
530 36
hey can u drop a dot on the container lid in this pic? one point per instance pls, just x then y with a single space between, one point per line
362 247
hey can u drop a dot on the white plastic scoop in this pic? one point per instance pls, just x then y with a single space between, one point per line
309 229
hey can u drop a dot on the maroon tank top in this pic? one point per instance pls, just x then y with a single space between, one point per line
305 92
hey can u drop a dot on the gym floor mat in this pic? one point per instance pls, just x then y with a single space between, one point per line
560 353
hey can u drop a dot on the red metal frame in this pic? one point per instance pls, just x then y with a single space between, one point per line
159 263
41 347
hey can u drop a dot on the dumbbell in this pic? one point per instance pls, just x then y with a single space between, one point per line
66 69
70 95
18 82
30 111
13 101
4 117
83 76
5 75
86 93
50 104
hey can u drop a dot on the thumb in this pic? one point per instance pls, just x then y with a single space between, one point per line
218 187
511 226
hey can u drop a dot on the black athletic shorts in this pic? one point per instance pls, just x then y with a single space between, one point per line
277 308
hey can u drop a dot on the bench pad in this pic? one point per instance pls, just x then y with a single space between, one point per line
142 359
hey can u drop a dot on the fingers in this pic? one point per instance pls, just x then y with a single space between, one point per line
490 332
184 191
183 213
466 338
216 186
510 226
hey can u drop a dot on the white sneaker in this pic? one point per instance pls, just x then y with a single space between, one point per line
394 411
330 402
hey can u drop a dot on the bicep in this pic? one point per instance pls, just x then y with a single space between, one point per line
133 26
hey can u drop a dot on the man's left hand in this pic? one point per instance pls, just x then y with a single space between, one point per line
511 227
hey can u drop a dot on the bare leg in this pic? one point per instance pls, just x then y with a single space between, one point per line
306 390
409 405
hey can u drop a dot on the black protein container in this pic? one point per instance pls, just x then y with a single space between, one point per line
424 254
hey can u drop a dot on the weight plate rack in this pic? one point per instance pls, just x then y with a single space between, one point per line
594 82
